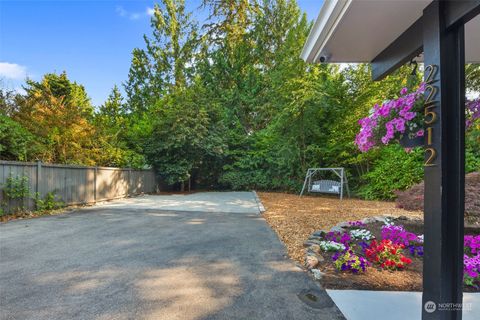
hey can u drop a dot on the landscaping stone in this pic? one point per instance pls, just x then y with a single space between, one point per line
317 274
314 248
337 229
311 243
383 219
368 220
311 262
319 233
320 257
343 225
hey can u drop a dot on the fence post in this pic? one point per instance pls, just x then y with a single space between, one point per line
129 184
95 184
37 182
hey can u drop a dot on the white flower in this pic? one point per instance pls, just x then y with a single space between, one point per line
389 222
331 246
361 234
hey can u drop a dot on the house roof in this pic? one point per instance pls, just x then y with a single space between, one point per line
358 30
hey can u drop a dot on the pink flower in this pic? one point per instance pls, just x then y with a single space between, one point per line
420 133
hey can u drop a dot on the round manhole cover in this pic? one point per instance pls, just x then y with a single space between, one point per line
315 299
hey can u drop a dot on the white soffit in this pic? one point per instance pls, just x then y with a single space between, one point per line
358 30
472 40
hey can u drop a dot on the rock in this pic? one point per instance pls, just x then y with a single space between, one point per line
337 229
368 220
379 219
315 238
319 233
309 243
343 225
317 274
314 248
311 262
315 254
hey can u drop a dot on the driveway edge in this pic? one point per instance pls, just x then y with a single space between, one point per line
261 208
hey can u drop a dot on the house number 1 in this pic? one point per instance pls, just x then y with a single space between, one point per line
430 114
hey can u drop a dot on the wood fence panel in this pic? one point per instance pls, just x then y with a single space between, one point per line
74 184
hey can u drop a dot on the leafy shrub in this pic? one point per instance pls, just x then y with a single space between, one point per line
49 202
393 170
16 188
16 142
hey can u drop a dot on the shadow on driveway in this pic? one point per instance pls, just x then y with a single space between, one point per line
123 262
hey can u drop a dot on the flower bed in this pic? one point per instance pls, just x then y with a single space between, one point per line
379 253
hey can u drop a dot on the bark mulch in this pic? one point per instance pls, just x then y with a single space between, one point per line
294 219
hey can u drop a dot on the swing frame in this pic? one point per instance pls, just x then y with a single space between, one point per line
339 172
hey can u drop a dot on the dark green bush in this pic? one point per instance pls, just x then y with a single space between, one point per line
394 170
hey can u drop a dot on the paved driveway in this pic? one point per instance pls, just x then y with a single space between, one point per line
132 259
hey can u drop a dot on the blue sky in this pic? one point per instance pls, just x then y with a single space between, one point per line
91 40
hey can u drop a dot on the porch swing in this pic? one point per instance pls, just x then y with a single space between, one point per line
329 186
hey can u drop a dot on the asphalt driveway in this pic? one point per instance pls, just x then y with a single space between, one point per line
136 259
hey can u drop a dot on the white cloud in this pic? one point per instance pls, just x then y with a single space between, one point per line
131 15
134 16
121 11
12 71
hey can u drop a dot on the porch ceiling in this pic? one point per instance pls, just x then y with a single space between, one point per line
358 30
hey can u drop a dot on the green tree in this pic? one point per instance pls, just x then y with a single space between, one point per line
16 142
186 136
167 61
111 124
58 113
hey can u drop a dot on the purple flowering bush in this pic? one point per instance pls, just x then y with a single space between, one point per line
392 120
398 235
471 244
471 270
356 224
339 237
473 112
471 261
401 117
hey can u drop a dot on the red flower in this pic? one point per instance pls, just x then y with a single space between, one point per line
406 260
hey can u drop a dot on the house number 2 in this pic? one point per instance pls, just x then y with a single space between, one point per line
430 114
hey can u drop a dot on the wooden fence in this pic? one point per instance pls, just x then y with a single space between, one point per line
74 184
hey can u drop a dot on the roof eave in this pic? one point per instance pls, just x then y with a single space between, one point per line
329 17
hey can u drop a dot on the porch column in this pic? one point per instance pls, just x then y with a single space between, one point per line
444 164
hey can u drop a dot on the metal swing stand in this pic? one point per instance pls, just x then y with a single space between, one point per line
326 186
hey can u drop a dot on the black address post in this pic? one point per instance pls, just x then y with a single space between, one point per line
444 180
